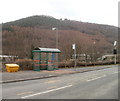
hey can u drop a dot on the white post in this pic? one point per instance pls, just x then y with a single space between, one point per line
115 48
115 58
74 48
75 57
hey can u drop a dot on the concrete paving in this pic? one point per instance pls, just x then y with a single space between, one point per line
32 75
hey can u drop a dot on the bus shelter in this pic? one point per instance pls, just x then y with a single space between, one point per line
45 58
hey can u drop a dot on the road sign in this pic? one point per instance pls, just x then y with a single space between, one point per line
73 46
115 42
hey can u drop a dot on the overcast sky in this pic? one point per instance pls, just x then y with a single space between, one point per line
94 11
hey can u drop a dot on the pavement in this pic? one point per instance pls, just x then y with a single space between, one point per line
33 75
98 84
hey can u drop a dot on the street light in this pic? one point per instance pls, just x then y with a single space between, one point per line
56 36
56 42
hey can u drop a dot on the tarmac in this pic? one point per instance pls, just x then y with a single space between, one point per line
33 75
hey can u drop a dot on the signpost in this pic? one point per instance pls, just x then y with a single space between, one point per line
115 43
115 51
74 48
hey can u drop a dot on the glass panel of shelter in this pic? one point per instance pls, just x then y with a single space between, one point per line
56 61
44 61
36 59
50 62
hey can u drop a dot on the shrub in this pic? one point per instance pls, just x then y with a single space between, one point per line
25 64
64 64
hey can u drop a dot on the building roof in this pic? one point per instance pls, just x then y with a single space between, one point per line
48 50
7 56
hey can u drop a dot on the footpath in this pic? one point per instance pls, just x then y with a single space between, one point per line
33 75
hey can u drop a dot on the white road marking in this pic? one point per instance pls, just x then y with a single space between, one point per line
46 92
96 78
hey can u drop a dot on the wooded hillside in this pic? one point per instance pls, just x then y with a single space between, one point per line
21 36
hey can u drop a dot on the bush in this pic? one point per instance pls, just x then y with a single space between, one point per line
2 67
70 63
25 64
64 64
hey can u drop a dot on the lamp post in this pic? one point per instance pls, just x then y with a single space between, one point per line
56 36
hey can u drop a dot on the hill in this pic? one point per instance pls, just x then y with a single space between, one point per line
21 36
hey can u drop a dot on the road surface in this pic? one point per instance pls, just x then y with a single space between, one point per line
99 84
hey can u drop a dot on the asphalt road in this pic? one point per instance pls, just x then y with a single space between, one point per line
99 84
